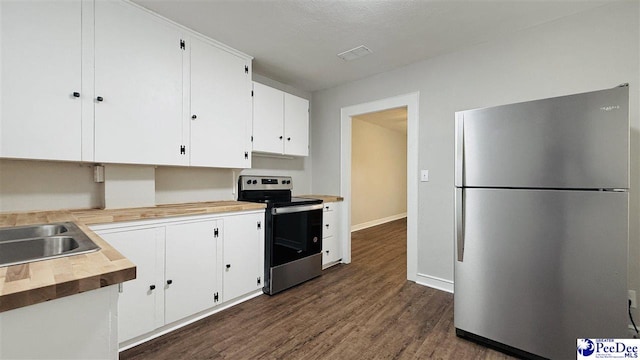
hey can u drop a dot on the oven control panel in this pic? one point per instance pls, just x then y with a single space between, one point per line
253 182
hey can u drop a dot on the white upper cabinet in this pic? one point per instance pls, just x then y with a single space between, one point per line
40 80
296 125
220 95
280 122
108 81
268 119
138 87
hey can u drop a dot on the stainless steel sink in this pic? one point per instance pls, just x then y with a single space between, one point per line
28 232
24 244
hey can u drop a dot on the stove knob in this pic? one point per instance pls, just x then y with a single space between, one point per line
288 181
248 182
254 182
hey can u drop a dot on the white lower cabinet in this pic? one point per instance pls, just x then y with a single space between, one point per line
141 304
331 253
185 266
192 282
243 255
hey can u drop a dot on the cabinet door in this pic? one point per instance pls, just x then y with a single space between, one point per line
191 268
268 115
220 107
296 125
40 42
243 254
138 75
140 308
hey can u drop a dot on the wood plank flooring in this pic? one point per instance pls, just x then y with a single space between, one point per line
364 310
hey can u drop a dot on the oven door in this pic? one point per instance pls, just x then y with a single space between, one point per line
297 233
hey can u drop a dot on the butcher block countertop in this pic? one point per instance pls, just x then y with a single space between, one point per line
40 281
324 198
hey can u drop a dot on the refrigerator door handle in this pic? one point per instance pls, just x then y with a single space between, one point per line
459 149
459 229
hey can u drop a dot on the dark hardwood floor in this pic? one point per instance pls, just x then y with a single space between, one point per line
364 310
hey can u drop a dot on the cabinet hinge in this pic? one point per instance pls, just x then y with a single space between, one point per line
246 155
216 298
246 69
216 233
259 225
183 150
259 280
182 44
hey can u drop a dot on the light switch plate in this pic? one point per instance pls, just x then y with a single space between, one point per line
424 175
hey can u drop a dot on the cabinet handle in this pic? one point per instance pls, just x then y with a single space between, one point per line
169 282
152 287
194 116
76 94
99 99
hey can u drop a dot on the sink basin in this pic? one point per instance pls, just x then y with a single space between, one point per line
28 232
25 244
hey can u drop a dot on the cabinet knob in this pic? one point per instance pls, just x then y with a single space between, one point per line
280 137
327 225
194 116
169 282
228 266
76 94
99 99
152 287
288 139
327 252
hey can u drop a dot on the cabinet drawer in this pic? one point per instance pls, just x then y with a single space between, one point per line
328 224
329 206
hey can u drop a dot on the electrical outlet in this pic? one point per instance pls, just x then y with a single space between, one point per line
632 297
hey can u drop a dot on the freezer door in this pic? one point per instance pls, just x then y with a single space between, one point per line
542 268
577 142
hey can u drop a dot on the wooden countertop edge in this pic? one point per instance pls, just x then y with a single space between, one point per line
324 198
118 269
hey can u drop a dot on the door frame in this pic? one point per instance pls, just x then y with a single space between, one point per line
410 101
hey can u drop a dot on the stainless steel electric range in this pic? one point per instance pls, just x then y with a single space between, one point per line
293 231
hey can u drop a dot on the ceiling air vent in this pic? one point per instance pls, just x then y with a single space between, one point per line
355 53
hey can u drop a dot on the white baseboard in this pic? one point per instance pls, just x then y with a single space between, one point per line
376 222
435 282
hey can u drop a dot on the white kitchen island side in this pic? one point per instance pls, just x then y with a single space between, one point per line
81 326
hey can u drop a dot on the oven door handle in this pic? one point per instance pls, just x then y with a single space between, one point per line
295 209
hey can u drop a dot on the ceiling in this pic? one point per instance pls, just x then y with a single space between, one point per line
295 42
393 119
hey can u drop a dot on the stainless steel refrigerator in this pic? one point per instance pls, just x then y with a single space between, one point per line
542 223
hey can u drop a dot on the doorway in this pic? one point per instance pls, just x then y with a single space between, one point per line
378 168
410 102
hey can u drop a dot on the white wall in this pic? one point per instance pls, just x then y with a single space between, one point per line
596 49
378 173
44 185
